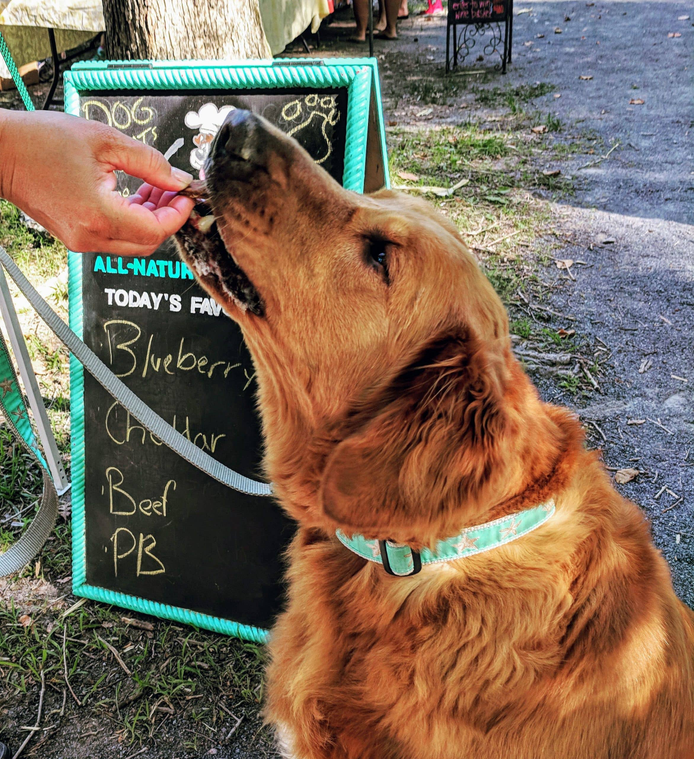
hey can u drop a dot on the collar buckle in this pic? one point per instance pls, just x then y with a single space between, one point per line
416 559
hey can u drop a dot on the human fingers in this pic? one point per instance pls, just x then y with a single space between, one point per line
143 226
142 195
142 161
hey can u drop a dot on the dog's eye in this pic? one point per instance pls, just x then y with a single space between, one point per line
377 257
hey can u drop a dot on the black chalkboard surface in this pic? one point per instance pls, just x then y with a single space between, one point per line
151 532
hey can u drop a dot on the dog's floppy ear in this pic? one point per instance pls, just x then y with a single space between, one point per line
422 449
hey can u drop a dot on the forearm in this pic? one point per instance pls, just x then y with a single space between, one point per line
10 128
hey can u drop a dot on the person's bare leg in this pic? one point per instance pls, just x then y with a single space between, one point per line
392 7
403 11
381 24
361 16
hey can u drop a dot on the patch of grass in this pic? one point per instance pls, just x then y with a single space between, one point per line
434 91
438 152
512 97
39 255
571 383
20 486
201 678
521 327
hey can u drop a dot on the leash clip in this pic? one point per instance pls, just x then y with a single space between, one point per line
416 559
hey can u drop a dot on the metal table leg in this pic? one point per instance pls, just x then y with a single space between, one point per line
56 71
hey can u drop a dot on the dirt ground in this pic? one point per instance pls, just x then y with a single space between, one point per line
614 263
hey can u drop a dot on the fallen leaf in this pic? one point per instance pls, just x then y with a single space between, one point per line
25 620
408 176
636 101
139 623
566 332
604 240
557 31
586 78
539 129
540 36
636 421
674 34
557 95
528 44
564 263
392 123
625 475
551 172
683 18
646 364
425 112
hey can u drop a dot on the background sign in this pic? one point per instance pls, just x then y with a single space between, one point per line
477 11
151 532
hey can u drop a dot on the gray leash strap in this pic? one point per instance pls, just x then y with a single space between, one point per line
161 429
23 551
17 556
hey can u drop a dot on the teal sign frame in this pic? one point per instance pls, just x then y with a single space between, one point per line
365 134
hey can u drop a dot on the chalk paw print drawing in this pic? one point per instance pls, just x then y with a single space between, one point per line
301 113
208 121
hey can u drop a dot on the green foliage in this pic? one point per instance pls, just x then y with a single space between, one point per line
39 255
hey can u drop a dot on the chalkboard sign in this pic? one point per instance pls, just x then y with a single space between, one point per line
480 30
150 531
477 11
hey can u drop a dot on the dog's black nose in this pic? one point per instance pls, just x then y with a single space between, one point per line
240 136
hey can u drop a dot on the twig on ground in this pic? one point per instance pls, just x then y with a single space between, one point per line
67 680
658 424
593 424
505 237
117 655
38 718
550 311
137 753
601 158
482 231
672 505
239 720
590 377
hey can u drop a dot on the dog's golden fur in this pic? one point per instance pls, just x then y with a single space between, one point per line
393 406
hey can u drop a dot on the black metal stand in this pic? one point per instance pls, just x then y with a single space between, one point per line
371 29
480 21
56 71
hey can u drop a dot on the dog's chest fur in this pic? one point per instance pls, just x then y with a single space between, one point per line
376 663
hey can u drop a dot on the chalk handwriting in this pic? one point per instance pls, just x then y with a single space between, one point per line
145 546
126 117
121 503
122 428
125 345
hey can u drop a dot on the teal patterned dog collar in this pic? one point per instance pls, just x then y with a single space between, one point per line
402 561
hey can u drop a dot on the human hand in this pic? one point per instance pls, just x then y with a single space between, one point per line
59 169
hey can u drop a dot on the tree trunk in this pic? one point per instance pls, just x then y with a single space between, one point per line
184 29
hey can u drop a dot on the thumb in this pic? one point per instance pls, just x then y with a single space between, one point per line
144 162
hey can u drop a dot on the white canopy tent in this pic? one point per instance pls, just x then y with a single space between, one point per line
24 24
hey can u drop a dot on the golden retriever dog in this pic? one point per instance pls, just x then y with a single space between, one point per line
393 408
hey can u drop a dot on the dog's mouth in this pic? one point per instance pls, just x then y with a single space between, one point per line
202 248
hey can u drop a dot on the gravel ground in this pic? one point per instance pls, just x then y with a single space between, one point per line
635 295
